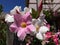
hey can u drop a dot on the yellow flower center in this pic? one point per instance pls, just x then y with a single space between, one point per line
23 24
37 28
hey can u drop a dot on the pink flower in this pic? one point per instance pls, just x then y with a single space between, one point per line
48 35
55 39
22 25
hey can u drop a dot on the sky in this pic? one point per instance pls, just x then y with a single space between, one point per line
10 4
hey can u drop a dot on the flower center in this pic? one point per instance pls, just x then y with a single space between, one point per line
23 24
37 28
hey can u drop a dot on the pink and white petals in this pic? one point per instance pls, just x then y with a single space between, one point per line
22 25
15 10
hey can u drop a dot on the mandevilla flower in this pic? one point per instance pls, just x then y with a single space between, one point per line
22 25
41 29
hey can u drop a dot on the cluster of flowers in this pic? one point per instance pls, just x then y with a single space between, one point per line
22 24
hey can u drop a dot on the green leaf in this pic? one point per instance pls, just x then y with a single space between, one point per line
34 13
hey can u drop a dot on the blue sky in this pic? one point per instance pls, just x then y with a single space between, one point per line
9 4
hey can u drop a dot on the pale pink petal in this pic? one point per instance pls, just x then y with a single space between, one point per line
13 27
31 28
21 33
28 22
18 19
27 17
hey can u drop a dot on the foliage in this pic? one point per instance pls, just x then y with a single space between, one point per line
49 16
50 19
3 29
36 41
34 13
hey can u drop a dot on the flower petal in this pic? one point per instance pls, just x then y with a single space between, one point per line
28 22
9 18
27 17
18 19
39 36
43 29
48 35
26 9
21 33
40 21
37 22
31 28
13 11
13 27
